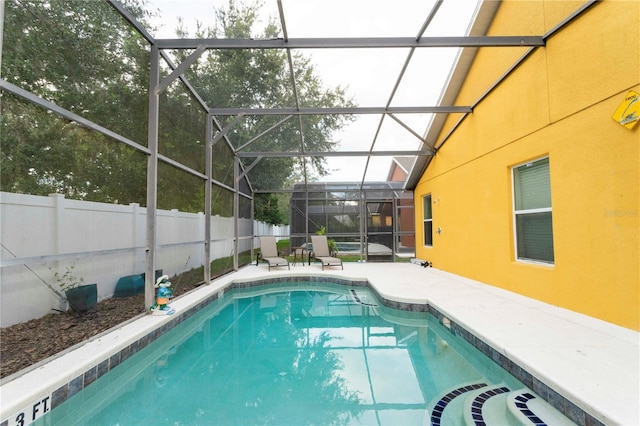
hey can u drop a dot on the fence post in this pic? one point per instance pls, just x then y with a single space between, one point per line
58 220
58 232
135 239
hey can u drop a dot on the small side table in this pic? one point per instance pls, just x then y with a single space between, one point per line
297 250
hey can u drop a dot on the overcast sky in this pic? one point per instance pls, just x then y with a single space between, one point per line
368 74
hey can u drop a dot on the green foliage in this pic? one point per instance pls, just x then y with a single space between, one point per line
195 277
68 279
333 246
284 205
84 57
261 79
221 202
283 245
266 209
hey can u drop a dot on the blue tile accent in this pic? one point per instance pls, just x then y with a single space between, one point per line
60 395
90 376
436 415
103 368
76 385
114 360
524 409
358 301
574 413
478 402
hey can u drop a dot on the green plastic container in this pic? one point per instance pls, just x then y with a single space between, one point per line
83 298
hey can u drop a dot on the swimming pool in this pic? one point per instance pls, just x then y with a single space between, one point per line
300 353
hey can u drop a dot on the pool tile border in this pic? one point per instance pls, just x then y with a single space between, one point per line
547 393
562 404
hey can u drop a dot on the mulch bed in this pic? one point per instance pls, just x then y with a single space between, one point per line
25 344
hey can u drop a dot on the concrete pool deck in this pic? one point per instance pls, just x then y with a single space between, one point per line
592 363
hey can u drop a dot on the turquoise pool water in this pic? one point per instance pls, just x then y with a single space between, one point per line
327 354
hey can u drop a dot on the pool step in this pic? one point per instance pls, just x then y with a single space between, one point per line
479 404
447 408
528 408
487 406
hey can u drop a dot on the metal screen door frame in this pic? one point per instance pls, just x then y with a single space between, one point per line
380 231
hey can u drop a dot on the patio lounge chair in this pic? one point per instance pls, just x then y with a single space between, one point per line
269 253
321 252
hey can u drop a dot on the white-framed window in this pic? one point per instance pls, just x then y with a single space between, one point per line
532 219
427 220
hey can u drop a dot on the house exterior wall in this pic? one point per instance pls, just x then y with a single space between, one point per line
558 104
405 214
397 174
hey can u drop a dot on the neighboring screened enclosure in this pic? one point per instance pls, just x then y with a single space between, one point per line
374 220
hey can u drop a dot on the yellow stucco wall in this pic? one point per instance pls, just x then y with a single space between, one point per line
558 103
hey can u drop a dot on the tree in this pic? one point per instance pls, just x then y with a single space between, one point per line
261 79
267 209
86 58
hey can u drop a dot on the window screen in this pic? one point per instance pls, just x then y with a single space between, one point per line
532 211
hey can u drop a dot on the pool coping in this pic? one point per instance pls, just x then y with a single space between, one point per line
42 389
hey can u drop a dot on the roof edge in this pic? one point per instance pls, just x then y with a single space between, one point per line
485 13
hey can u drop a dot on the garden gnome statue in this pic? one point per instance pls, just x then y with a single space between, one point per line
162 300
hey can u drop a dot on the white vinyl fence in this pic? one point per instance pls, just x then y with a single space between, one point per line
261 228
102 242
